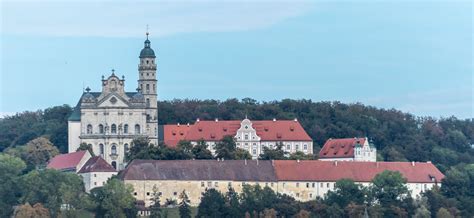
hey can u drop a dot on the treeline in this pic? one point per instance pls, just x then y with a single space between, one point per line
23 127
36 192
398 136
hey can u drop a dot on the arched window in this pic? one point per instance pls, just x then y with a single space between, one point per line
101 129
113 129
125 128
137 129
101 149
114 149
89 129
148 102
126 148
114 164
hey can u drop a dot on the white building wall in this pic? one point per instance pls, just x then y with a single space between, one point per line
74 131
95 179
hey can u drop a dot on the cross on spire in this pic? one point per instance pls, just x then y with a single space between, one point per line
113 71
147 33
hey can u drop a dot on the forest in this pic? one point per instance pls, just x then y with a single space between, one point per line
398 136
29 139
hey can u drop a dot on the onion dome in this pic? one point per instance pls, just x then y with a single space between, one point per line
147 52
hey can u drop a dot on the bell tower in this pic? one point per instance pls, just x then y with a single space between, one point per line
147 84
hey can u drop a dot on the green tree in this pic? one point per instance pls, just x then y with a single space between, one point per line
232 204
114 199
186 149
139 149
10 170
299 155
52 189
389 188
35 211
241 154
226 148
212 204
443 213
273 154
39 151
200 151
184 208
155 207
86 147
345 192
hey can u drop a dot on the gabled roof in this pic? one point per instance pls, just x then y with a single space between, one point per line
76 113
66 161
235 170
340 148
96 164
267 130
313 170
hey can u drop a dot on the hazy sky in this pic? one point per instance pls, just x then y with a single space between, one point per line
412 56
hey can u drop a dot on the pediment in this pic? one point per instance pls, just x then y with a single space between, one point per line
113 100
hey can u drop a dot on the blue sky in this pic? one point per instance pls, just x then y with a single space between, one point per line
412 56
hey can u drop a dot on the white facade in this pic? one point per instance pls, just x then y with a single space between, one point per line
248 139
95 179
109 120
365 152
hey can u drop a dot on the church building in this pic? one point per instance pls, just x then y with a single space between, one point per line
110 119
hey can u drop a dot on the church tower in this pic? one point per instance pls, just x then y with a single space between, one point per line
147 86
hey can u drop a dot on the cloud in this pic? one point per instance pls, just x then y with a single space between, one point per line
128 19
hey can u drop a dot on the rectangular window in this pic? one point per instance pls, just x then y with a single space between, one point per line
202 184
305 147
321 184
307 185
209 184
310 195
216 184
297 184
229 184
297 195
288 147
313 184
327 185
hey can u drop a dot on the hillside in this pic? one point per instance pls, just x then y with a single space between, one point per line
398 136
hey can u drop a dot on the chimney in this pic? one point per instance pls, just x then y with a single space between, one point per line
197 120
257 162
217 120
187 124
273 162
222 159
178 124
335 163
297 160
428 161
413 163
274 119
245 161
296 119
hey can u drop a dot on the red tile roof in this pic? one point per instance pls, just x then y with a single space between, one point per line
66 161
340 148
313 170
268 130
174 133
96 164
